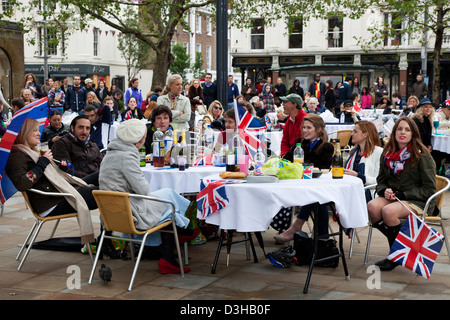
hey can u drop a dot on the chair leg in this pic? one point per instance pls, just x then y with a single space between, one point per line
351 244
30 245
369 238
54 229
136 265
99 249
27 239
186 254
177 245
445 239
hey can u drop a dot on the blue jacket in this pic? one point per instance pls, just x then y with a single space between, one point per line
75 100
233 92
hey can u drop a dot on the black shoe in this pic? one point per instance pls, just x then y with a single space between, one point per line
386 265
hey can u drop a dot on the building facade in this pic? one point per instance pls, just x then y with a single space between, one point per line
331 48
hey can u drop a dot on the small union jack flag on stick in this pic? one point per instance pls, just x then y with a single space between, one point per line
417 245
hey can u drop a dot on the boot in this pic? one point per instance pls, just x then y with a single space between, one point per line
380 226
391 234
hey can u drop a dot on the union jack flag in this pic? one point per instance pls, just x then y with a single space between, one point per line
267 121
417 246
250 129
213 196
128 115
35 110
205 160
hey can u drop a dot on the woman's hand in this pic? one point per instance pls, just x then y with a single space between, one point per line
389 194
48 154
350 172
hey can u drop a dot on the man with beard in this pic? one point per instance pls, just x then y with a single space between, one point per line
82 155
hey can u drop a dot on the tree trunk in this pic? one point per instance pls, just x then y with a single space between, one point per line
437 57
162 63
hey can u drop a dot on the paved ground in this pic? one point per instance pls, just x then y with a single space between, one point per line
45 275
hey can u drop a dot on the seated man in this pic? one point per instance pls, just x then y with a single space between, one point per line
100 122
292 105
76 148
349 115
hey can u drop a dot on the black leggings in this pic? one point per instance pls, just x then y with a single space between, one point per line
86 192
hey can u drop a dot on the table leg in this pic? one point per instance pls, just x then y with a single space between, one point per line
313 259
255 258
219 246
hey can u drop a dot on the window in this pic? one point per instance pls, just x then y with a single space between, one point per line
296 36
6 6
393 23
335 32
96 42
198 47
208 26
198 23
257 34
208 58
186 45
51 45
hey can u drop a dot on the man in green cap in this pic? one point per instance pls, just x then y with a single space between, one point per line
292 105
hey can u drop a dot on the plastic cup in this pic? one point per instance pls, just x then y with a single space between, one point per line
243 163
308 170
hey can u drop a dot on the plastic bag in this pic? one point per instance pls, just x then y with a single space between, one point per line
283 169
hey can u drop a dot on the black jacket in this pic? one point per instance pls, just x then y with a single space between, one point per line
320 155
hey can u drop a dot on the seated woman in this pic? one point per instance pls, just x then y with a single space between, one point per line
27 169
55 130
132 112
407 174
318 151
122 158
215 112
364 159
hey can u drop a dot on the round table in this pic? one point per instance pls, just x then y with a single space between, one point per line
187 181
441 143
252 206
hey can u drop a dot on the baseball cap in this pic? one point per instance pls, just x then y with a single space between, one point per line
446 104
294 98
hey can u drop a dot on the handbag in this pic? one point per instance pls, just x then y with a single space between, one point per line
303 247
201 108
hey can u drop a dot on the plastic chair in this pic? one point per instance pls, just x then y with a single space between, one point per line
115 210
442 185
33 233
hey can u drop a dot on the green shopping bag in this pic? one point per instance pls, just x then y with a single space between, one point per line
283 169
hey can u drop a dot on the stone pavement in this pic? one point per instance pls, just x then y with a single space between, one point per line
45 274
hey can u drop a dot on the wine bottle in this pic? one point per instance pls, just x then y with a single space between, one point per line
337 165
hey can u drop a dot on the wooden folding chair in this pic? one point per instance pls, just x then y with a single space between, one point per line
115 210
33 233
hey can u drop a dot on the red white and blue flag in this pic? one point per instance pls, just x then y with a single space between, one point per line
417 246
128 115
212 196
250 129
36 110
206 160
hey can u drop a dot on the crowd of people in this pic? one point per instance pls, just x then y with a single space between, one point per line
403 169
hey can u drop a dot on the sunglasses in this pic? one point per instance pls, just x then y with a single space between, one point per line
218 108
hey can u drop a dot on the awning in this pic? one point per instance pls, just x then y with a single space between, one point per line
327 66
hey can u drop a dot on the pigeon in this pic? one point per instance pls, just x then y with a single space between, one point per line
105 273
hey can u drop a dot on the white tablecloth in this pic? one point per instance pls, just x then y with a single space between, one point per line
332 129
441 143
252 206
187 181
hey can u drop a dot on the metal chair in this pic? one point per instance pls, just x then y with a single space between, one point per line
442 185
115 210
33 233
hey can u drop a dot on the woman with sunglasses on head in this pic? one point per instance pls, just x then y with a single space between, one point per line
407 174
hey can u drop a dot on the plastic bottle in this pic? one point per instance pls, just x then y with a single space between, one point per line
168 143
209 138
299 154
142 162
342 120
260 158
158 149
9 114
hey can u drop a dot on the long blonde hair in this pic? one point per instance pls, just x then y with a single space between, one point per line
27 129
